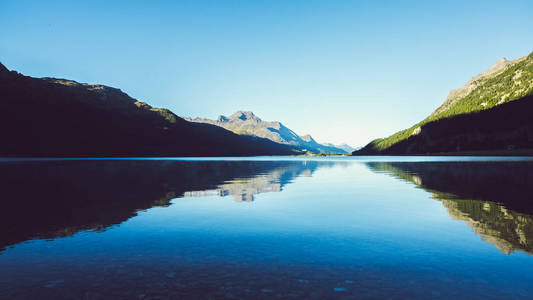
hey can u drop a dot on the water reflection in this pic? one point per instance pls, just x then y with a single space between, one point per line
495 199
59 198
346 232
243 189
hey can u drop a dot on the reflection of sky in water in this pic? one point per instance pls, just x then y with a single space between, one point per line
347 229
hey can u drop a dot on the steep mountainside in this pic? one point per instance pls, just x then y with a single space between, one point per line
57 117
246 123
491 112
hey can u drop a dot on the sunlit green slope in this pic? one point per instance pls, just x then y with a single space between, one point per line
503 83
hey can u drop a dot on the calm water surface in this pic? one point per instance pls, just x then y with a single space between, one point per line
383 227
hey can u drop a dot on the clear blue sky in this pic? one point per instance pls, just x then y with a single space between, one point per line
342 71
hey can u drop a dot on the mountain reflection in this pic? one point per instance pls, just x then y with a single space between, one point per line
50 199
243 189
494 198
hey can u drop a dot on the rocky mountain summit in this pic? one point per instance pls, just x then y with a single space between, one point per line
247 123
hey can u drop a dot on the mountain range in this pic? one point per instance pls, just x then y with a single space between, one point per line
492 112
50 117
247 123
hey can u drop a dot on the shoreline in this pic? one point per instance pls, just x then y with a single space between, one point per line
518 152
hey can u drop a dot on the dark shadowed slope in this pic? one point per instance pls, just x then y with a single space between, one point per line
57 117
492 112
505 127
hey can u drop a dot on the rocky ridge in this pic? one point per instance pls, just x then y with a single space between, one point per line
247 123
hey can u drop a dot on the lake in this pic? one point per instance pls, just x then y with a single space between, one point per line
267 227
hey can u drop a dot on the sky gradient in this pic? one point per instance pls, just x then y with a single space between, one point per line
342 71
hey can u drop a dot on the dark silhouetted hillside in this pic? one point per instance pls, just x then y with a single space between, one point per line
56 117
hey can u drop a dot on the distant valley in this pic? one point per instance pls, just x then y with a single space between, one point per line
247 123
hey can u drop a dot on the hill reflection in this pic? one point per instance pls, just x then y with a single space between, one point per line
50 199
494 198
